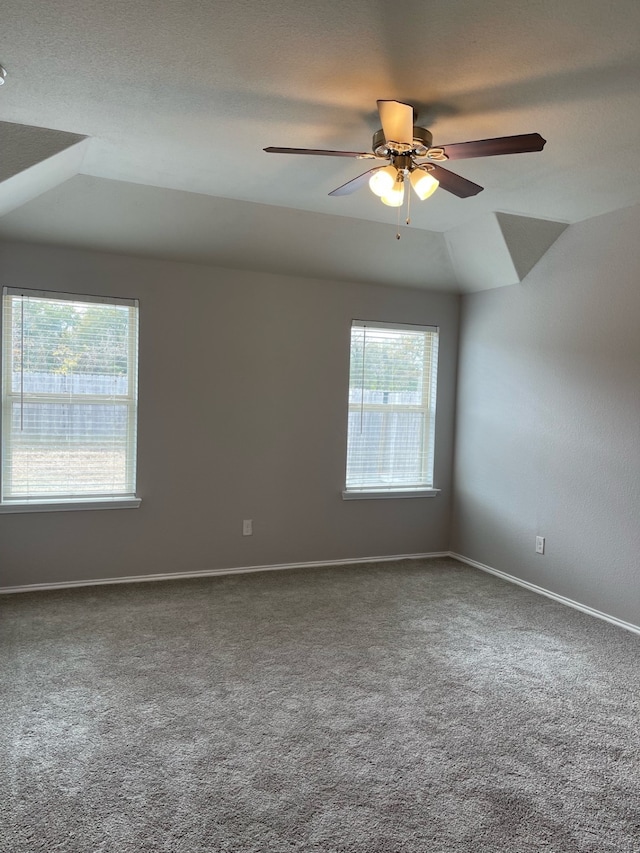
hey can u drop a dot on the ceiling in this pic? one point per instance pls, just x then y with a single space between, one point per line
179 97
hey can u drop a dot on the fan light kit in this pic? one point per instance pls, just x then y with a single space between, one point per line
410 155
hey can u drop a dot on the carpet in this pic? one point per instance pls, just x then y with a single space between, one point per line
406 707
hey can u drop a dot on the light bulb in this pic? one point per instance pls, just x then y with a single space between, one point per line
382 181
423 183
395 196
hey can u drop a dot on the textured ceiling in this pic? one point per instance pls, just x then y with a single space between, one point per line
184 95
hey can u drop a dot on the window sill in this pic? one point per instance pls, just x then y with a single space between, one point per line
66 506
381 494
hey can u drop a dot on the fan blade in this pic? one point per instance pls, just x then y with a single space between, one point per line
397 121
356 183
522 144
364 155
455 184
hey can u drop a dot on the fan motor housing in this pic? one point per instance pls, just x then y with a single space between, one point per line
422 139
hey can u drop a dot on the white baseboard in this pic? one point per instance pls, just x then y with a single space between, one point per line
239 570
540 590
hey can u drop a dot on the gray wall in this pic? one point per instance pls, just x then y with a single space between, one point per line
548 420
256 430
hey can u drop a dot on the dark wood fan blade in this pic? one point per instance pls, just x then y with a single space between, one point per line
455 184
323 152
356 183
522 144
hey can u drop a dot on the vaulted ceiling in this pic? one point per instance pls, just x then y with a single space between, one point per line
177 99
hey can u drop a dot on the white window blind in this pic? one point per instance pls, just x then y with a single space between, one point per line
392 404
69 397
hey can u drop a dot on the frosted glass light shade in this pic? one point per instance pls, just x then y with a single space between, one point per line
382 181
423 183
395 196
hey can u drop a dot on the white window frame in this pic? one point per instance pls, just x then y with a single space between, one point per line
65 502
425 488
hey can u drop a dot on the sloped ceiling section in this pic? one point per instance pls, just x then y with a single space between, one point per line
34 160
528 239
499 249
117 216
39 174
58 206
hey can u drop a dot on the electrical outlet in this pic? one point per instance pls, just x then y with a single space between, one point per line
247 527
539 544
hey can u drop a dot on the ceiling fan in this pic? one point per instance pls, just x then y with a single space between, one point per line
409 154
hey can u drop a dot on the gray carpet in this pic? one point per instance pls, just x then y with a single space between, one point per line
387 708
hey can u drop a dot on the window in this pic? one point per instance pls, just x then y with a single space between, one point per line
69 401
392 402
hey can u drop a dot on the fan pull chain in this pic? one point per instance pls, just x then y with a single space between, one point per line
408 219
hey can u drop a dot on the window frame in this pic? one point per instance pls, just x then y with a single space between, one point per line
65 502
426 487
